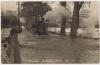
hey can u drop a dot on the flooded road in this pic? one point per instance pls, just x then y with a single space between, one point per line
57 49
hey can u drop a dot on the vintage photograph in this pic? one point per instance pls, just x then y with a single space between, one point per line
50 32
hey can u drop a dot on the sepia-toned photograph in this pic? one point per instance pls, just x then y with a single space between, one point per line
50 32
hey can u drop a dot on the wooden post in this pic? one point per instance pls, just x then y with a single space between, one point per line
14 50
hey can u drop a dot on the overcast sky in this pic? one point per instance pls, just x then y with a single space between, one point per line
9 5
12 5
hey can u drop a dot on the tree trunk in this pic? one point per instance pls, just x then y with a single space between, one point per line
75 19
63 24
28 23
63 27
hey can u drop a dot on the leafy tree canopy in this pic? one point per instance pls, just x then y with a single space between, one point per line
30 9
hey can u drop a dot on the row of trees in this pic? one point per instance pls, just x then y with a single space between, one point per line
8 19
33 11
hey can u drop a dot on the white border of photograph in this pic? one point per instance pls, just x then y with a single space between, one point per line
50 0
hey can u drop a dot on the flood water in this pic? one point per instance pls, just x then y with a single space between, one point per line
57 49
84 32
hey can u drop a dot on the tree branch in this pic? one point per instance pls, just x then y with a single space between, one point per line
80 4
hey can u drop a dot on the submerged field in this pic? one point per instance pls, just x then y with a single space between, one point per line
57 49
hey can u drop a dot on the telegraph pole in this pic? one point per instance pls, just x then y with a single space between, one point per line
18 16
